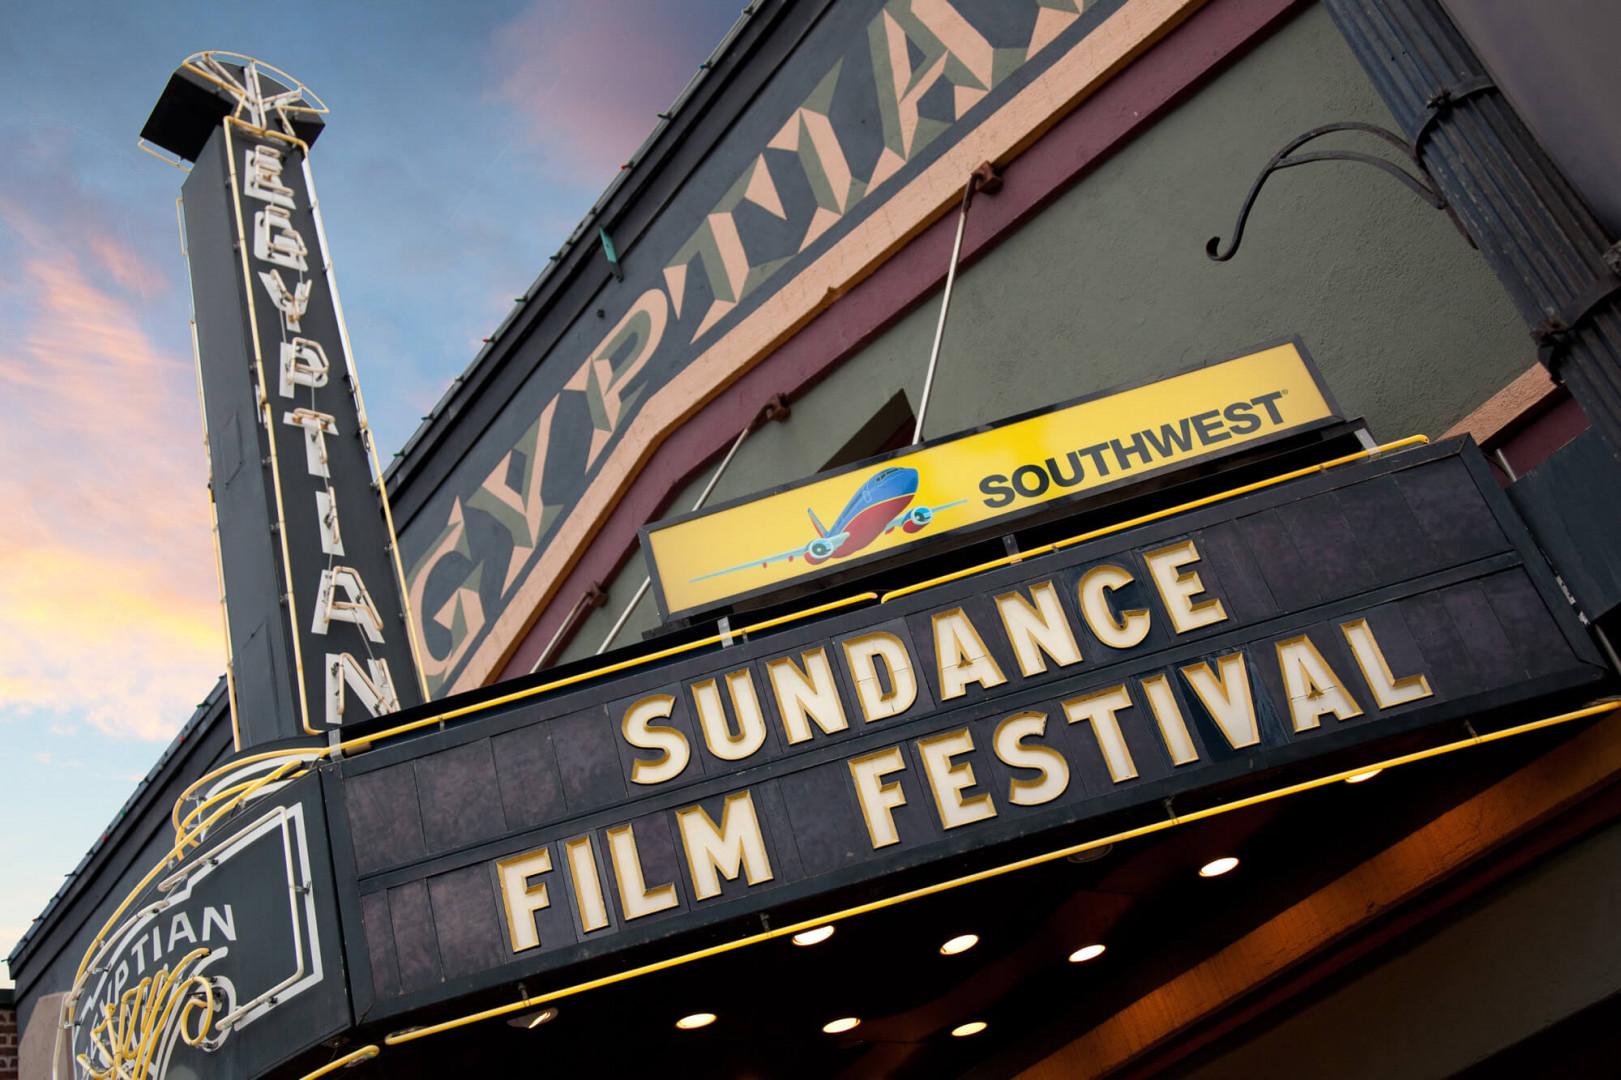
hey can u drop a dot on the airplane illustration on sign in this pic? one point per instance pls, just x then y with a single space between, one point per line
878 506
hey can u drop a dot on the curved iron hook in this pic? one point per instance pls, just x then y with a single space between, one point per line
1283 160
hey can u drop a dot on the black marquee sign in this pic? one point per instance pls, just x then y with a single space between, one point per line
1315 621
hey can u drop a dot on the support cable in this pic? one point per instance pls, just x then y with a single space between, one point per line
984 178
775 409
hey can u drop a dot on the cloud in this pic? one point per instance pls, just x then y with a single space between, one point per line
588 79
108 597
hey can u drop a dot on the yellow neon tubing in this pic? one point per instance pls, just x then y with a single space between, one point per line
162 992
176 854
318 109
220 796
347 1061
232 766
1006 868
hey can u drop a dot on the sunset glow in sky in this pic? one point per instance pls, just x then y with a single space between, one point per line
464 143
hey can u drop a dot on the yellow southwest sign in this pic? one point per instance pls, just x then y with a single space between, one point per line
873 509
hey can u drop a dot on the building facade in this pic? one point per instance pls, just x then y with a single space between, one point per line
478 881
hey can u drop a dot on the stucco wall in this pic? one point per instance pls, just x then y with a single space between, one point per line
1110 284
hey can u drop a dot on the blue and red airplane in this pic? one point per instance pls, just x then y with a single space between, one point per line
878 506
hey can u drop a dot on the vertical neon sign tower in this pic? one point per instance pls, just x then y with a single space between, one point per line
316 622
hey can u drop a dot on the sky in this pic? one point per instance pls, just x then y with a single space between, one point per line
465 141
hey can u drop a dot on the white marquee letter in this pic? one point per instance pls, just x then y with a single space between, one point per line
375 691
317 426
879 797
262 173
303 362
276 241
864 654
640 731
806 696
735 846
521 898
1100 708
291 304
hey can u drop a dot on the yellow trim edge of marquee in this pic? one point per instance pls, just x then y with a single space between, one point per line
412 1034
571 680
1156 515
306 753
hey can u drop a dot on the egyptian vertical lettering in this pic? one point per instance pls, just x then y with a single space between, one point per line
345 619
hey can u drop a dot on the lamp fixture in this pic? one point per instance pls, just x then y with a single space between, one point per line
530 1021
814 936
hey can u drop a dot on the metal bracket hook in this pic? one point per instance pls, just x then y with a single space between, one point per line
1421 185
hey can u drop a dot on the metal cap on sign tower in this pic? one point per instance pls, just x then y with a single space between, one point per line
212 85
